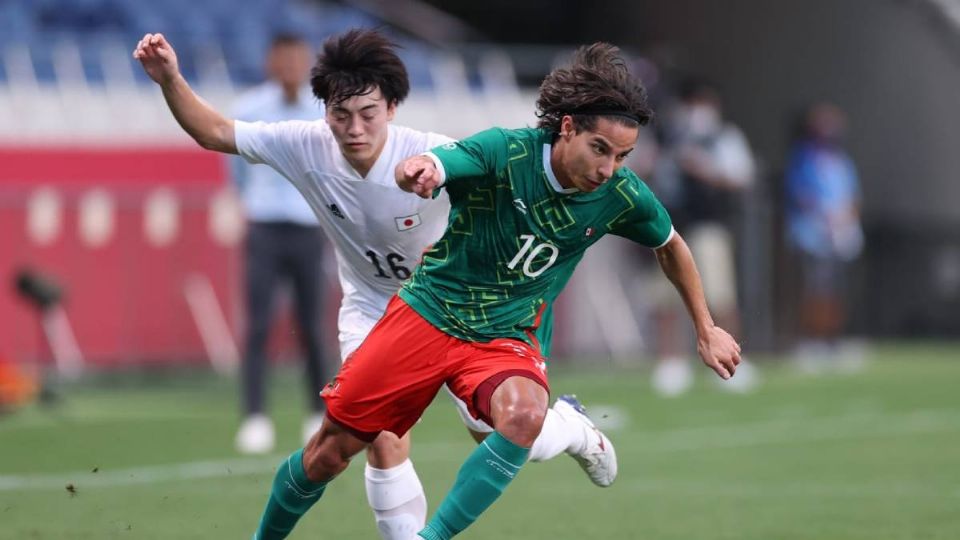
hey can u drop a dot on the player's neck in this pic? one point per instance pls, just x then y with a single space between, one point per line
556 165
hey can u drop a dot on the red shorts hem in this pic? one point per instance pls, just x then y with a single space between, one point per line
365 436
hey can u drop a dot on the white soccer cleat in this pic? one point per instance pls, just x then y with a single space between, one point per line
311 425
598 458
256 435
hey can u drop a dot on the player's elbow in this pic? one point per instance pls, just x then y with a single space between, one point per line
211 143
218 139
207 143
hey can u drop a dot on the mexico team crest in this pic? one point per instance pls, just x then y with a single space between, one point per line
407 222
588 232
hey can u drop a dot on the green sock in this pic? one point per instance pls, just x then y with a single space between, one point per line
482 478
292 495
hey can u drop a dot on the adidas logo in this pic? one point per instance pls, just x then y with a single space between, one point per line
336 211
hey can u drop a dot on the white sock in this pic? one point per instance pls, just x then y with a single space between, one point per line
397 499
556 437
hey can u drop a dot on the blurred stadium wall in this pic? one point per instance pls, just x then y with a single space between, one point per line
104 195
100 190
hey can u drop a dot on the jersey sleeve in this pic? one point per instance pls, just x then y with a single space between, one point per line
437 139
648 223
277 144
477 156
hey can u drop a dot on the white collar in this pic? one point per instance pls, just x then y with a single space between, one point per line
552 178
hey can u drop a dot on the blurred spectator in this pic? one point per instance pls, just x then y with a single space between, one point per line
704 164
823 227
284 242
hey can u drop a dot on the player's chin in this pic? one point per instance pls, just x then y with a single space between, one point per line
589 185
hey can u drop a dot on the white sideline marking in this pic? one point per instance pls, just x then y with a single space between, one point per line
664 442
142 475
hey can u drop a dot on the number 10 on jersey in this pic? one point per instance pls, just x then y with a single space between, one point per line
527 255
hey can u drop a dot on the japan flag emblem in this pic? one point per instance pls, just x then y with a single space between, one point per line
406 223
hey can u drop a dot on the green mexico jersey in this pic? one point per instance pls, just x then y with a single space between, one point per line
515 236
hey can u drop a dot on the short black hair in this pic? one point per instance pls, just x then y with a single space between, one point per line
596 84
355 63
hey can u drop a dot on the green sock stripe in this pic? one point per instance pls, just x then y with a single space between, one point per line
500 458
507 451
298 476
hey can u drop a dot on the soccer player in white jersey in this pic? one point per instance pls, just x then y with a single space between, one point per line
344 166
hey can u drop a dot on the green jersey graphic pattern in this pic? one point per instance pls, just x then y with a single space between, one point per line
513 241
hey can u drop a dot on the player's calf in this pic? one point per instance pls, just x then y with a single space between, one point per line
328 453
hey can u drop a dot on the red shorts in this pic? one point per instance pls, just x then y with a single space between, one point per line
388 382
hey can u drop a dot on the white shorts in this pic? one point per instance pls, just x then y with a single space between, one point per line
354 326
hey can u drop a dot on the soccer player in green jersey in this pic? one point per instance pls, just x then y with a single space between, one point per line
525 205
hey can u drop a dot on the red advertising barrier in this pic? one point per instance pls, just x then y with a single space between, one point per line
143 241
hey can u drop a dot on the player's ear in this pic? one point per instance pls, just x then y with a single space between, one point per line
391 110
567 129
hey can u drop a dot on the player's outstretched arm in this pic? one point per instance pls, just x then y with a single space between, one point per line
418 174
209 128
716 347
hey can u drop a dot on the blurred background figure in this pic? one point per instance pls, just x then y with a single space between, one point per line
705 163
284 245
65 362
823 230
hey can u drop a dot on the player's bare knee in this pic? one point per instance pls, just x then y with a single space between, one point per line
521 422
388 451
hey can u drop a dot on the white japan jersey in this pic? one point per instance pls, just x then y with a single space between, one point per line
378 230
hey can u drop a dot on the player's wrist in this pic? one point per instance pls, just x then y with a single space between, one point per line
172 81
704 329
438 165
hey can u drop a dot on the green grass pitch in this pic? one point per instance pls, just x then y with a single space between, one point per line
873 455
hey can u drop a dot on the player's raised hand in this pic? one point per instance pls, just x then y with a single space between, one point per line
419 175
719 351
158 58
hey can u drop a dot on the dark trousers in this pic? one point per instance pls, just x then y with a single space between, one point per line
278 252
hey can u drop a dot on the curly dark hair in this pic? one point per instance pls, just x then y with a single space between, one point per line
596 84
355 63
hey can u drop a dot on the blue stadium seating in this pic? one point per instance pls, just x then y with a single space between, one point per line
241 29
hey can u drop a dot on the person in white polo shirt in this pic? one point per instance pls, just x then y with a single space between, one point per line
284 245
